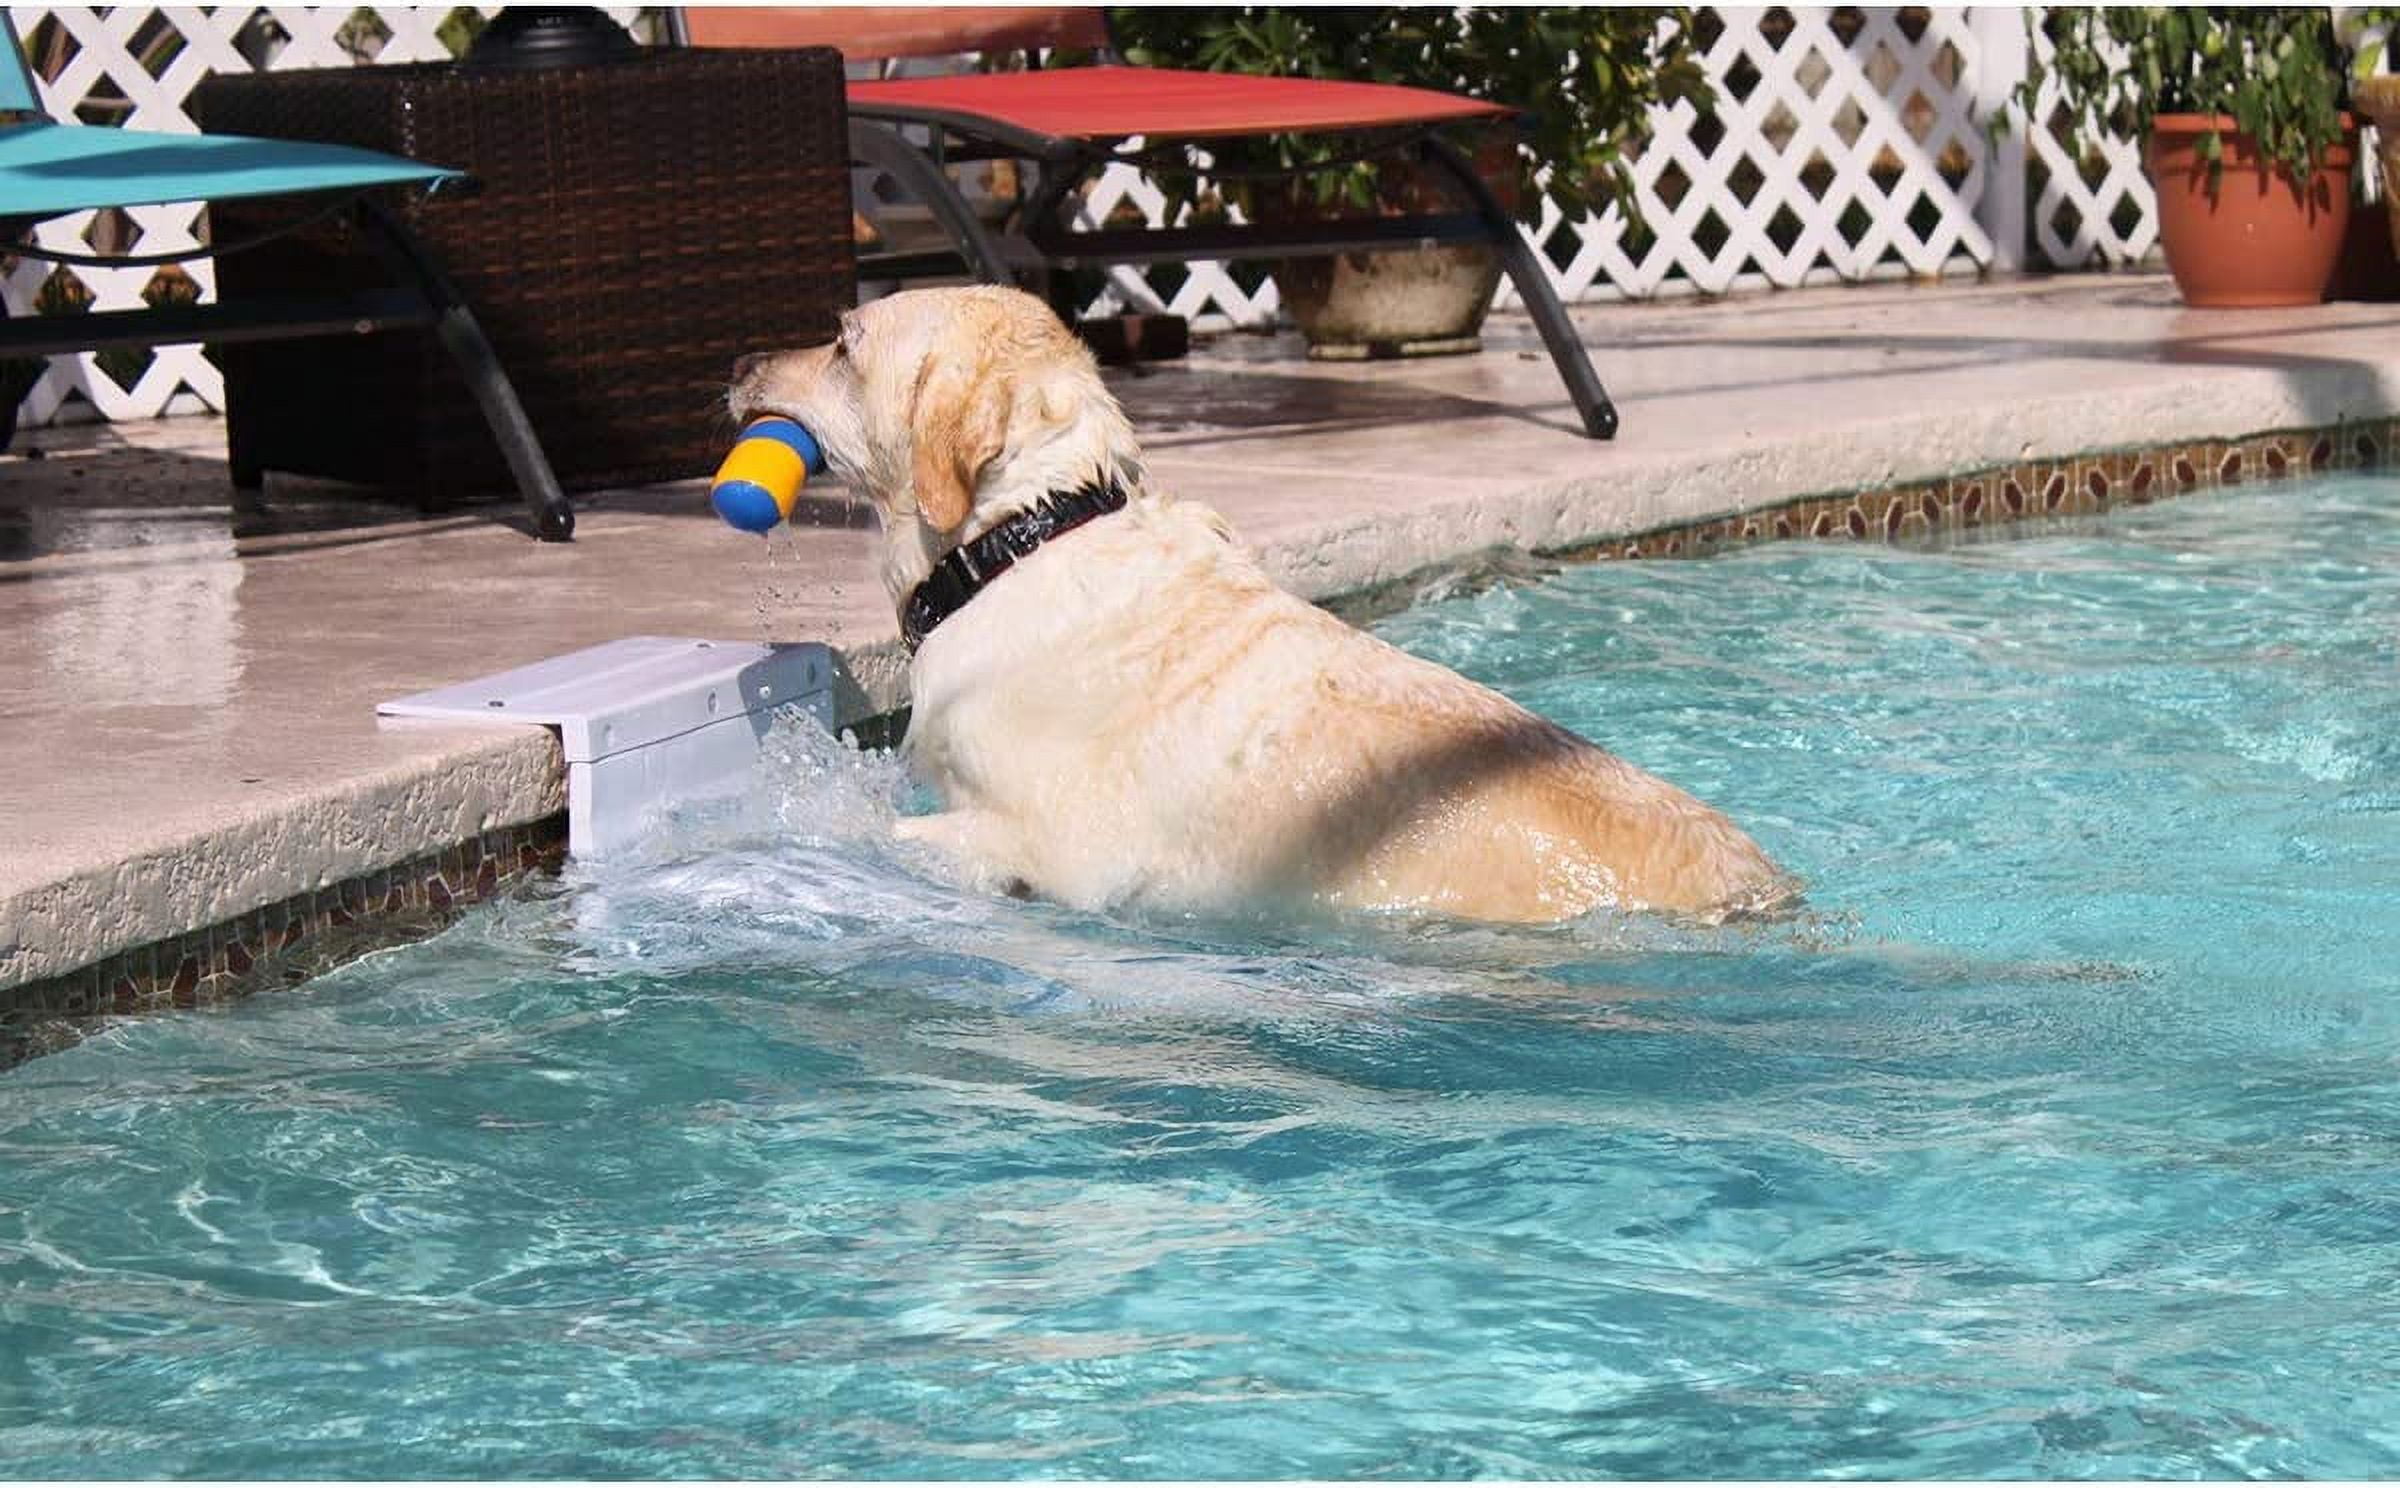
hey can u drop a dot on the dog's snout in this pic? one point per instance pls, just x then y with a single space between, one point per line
743 366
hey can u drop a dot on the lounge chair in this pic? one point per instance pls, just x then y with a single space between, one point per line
1072 122
49 169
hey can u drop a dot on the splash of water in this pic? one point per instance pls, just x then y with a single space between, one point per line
775 594
766 590
807 867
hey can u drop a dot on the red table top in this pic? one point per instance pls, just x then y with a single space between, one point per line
1100 103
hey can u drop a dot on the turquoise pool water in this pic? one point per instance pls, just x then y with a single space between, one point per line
2063 1139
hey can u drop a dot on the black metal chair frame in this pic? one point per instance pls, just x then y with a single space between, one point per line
424 297
1038 237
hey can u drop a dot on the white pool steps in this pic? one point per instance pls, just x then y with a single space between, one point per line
645 723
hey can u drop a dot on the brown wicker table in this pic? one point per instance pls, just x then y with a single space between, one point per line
639 224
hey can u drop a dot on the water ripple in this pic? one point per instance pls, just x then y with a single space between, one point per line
2059 1143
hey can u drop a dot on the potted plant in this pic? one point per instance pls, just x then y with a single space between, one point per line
2245 138
1587 76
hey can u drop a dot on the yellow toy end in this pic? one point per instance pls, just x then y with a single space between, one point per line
759 484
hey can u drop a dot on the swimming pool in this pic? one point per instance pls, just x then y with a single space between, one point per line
2062 1139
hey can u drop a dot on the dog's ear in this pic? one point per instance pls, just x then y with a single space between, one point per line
957 428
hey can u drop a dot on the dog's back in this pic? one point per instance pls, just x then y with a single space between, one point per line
1182 733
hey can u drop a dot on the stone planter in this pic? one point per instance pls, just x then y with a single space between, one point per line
2379 99
1414 302
1403 303
2258 239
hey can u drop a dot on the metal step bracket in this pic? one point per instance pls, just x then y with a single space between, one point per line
645 723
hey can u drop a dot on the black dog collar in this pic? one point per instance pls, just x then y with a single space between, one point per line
966 569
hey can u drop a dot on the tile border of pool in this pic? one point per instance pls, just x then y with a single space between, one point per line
302 936
285 943
1998 495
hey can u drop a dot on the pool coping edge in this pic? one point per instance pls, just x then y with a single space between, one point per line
509 822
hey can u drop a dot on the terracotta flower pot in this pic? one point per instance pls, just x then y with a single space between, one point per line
2259 239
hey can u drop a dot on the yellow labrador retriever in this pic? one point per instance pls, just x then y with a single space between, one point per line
1120 709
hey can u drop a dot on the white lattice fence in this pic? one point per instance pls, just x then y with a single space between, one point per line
2094 209
1841 147
137 66
1847 145
1207 294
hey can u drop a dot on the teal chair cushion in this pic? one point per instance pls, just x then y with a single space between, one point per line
16 79
47 169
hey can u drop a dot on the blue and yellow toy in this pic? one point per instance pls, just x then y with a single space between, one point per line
759 483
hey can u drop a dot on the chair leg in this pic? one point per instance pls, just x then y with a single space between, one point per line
1566 349
1045 209
245 470
885 149
553 517
16 379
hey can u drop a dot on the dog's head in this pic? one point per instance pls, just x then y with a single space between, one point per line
951 409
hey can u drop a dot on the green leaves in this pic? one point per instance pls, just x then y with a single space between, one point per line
2279 71
1585 76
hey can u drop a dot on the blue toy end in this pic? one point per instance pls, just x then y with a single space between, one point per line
746 504
787 431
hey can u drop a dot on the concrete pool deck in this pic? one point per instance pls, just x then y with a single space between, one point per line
187 708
